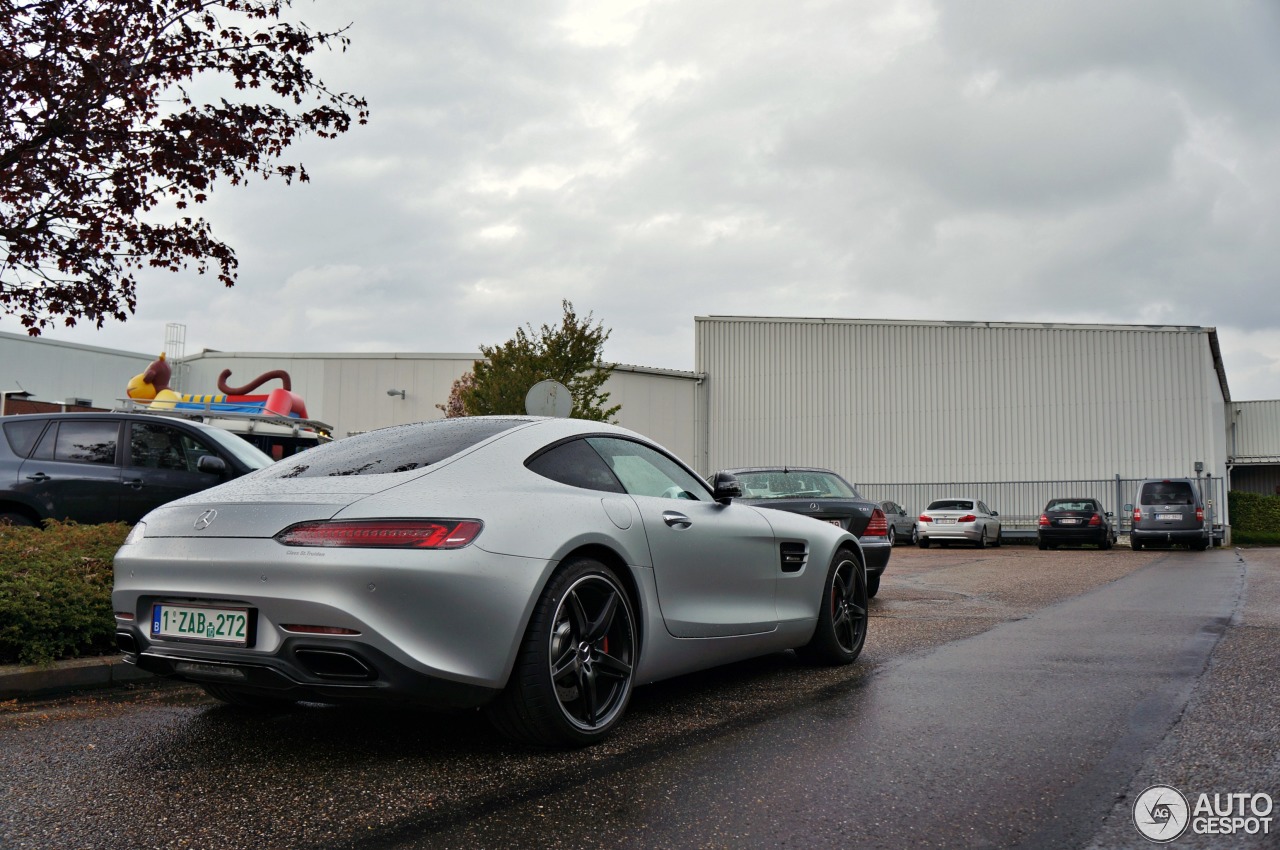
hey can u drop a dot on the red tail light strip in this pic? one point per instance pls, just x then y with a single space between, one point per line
384 533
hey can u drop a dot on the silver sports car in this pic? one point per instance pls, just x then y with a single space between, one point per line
540 568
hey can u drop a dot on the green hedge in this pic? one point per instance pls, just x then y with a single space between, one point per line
55 591
1254 518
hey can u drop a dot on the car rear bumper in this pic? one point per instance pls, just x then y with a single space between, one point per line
1169 535
307 670
876 551
1073 535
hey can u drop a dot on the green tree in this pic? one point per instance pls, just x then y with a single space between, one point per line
569 353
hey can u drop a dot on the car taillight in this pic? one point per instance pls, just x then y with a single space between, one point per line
1199 514
1044 520
1095 520
924 518
1137 514
384 533
968 518
878 526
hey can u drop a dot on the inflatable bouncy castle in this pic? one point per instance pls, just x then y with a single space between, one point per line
152 388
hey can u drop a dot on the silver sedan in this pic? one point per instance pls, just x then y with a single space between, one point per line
961 519
537 568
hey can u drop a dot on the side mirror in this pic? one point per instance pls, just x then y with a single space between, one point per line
725 488
1110 514
211 464
995 513
1128 509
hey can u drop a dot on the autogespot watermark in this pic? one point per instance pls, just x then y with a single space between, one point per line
1163 814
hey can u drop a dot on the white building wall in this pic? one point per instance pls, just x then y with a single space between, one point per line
57 371
1257 431
349 391
886 401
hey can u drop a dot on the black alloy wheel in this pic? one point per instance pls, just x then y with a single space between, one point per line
573 677
842 618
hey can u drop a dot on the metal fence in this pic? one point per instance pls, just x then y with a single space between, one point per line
1019 503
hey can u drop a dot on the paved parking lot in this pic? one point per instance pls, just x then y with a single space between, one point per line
166 767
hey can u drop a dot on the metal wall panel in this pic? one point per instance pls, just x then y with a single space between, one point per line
1256 435
55 371
941 401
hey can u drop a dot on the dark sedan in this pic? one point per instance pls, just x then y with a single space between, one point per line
1075 522
823 495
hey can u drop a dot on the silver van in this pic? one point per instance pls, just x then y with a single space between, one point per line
1169 511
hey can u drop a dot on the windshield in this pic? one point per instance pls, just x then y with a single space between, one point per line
791 484
243 451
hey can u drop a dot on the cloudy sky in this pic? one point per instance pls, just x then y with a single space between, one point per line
1110 161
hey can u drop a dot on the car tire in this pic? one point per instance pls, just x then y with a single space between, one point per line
1106 543
923 542
16 519
574 672
1041 545
893 537
915 534
842 614
1134 543
240 698
982 539
995 542
873 585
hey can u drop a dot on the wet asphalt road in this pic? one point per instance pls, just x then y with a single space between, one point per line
1006 697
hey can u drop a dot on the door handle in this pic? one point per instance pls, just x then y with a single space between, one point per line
39 477
675 519
135 483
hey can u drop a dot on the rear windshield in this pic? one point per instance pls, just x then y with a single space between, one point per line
397 449
793 484
1072 505
1167 493
951 505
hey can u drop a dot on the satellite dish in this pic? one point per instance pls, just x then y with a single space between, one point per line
548 398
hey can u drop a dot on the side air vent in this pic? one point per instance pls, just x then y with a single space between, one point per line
794 556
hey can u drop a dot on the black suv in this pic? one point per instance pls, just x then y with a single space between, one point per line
107 467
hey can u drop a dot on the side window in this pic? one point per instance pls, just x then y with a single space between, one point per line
646 472
86 442
982 506
23 435
577 464
163 447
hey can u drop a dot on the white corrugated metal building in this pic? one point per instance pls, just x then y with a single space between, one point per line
1254 439
916 401
963 401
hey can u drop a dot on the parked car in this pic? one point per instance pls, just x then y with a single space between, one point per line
107 467
962 519
1075 521
1169 511
823 495
902 524
538 568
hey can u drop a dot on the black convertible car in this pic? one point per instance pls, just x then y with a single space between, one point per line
823 495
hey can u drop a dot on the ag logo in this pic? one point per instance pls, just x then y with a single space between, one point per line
1161 813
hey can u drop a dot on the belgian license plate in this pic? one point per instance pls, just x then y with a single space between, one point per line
202 623
1169 517
1069 521
946 522
837 523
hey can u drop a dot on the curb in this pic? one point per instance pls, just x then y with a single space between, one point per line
62 676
